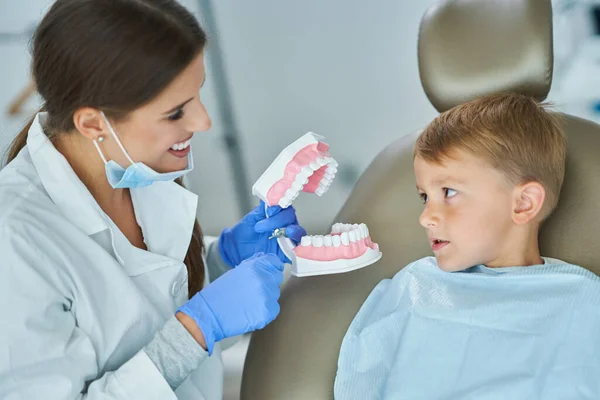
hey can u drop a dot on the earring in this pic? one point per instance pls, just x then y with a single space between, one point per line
100 139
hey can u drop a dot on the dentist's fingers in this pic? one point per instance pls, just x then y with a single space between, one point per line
295 232
257 214
273 210
282 219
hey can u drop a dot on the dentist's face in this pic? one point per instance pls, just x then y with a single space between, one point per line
159 132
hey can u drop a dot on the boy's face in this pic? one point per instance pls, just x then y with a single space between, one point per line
468 208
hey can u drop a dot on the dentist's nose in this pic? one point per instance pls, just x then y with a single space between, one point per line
200 121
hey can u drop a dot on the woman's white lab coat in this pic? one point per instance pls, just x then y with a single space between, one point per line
78 302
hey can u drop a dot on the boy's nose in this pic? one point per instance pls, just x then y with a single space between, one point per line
428 217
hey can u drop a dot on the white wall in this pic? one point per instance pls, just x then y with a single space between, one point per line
14 69
347 69
211 179
344 69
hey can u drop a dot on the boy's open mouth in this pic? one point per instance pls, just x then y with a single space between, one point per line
437 244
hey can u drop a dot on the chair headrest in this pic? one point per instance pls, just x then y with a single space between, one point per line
470 48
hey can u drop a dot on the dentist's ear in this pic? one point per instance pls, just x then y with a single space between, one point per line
528 202
89 122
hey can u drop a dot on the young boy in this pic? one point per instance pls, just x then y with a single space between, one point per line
487 318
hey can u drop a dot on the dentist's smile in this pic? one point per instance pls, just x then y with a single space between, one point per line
181 149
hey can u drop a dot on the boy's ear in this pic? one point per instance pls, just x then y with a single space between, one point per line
528 202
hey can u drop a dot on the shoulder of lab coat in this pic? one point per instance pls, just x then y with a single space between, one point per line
45 354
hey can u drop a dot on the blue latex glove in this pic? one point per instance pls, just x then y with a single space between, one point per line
242 300
251 235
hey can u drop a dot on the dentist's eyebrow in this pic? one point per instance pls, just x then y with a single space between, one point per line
172 110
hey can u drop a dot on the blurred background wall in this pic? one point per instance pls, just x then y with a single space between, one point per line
344 69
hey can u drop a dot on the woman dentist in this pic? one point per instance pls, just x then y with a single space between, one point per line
102 271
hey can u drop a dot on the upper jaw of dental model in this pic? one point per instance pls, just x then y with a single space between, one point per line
303 166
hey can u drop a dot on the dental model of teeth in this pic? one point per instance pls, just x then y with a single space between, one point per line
303 166
307 166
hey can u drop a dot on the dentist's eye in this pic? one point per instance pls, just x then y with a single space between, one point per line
423 197
449 192
177 115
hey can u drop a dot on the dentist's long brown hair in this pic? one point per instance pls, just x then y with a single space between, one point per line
115 56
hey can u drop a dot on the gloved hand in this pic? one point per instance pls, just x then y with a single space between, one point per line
242 300
251 234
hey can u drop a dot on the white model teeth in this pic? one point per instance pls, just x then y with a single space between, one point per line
297 186
285 202
340 234
360 230
337 241
291 194
365 230
323 187
307 172
332 167
317 241
345 238
313 157
303 176
339 228
182 145
352 236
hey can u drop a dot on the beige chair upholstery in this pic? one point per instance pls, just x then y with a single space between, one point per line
467 48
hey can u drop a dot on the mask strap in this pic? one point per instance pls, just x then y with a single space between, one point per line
100 152
110 128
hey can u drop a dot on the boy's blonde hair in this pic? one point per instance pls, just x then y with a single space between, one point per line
516 134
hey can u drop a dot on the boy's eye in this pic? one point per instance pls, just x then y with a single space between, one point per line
177 115
449 192
423 197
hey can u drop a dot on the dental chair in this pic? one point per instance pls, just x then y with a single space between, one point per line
467 49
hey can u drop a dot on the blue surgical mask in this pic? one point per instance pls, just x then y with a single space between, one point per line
137 174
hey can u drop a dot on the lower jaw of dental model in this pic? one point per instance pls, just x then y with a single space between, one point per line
307 166
347 248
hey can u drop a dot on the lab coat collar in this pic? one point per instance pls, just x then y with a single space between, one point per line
165 211
62 184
